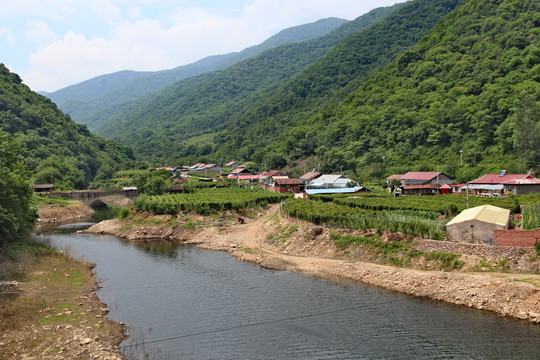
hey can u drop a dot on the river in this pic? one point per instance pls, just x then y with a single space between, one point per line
183 302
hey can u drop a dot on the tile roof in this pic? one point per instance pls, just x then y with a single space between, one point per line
395 177
287 182
310 175
508 179
419 175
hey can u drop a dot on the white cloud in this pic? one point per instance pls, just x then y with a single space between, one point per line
7 35
108 11
177 36
40 33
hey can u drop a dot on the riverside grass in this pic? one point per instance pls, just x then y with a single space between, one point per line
398 253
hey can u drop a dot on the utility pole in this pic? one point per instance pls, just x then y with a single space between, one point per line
461 157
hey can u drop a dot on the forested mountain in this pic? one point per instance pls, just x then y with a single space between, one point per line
471 85
196 108
53 147
83 100
326 83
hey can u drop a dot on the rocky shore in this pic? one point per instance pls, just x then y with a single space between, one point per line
513 294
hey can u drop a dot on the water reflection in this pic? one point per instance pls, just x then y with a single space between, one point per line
186 302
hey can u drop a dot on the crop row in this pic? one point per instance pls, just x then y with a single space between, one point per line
356 218
531 217
205 201
442 204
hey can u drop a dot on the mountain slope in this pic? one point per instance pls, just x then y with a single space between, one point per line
157 127
471 85
82 100
331 79
53 147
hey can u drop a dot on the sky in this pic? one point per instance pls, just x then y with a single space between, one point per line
52 44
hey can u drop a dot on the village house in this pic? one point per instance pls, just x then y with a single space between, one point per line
331 181
284 186
310 176
212 167
425 178
477 225
393 177
503 184
237 172
267 177
231 164
40 188
427 189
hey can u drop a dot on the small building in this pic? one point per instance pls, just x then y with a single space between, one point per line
266 177
331 181
231 164
428 189
310 176
286 186
237 172
212 167
175 189
390 178
505 184
477 225
426 178
41 188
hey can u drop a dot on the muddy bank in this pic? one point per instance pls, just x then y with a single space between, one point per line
54 214
41 323
307 250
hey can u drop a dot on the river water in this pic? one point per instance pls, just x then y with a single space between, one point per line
182 302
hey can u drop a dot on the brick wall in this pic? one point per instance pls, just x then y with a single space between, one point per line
524 238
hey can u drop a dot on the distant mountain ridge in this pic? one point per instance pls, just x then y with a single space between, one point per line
464 100
157 127
83 99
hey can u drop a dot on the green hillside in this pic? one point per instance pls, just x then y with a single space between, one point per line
325 84
157 127
53 148
83 101
472 84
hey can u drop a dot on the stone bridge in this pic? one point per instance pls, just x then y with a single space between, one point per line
94 198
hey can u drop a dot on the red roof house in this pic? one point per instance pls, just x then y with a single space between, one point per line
426 178
518 184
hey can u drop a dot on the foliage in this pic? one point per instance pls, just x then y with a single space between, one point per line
455 90
441 204
356 218
92 102
531 217
153 182
158 127
16 215
205 201
398 253
53 148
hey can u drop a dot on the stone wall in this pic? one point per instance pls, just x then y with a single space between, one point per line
487 251
524 238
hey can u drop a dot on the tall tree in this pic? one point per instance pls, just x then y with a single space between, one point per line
16 216
527 128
